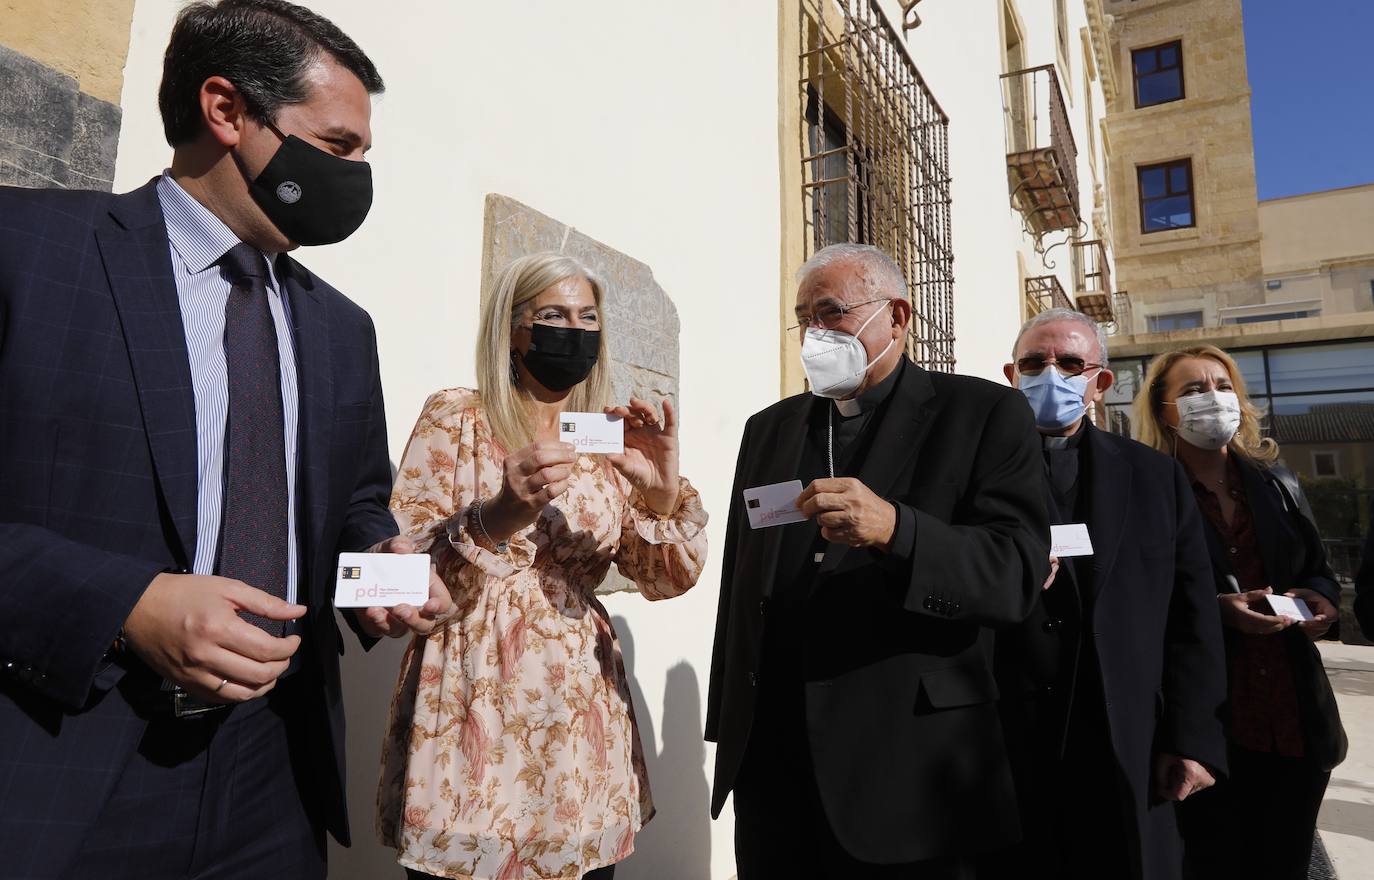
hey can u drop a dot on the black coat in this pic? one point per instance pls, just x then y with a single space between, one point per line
1364 582
1293 557
1156 634
899 694
98 495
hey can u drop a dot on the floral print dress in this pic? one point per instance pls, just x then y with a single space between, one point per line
512 750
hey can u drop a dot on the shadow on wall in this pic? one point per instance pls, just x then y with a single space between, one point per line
677 843
369 678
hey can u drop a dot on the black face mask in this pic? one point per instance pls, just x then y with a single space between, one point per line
560 357
312 196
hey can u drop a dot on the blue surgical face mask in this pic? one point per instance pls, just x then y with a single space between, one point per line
1056 399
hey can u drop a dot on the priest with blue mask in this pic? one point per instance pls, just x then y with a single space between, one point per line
1111 691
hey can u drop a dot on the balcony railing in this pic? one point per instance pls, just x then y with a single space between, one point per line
1093 294
1092 272
1045 292
1121 315
1042 159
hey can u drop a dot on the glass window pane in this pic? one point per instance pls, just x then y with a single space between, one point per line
1152 182
1328 441
1251 365
1179 181
1322 367
1130 374
1168 56
1158 88
1119 420
1170 213
1145 61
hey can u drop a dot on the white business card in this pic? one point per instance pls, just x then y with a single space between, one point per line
594 433
774 505
1287 606
1070 539
381 580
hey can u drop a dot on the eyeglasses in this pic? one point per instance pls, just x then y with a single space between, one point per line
1034 365
831 315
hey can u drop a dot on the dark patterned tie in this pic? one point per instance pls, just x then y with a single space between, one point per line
253 538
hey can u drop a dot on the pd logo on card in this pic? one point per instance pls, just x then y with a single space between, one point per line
594 433
774 505
385 580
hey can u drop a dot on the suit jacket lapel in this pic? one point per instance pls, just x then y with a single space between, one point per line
310 326
897 438
1111 502
138 265
783 458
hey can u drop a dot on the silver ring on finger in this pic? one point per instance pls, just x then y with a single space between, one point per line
218 687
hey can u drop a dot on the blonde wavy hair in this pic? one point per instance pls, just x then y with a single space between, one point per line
1153 431
506 304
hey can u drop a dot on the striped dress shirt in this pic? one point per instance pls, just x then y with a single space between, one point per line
198 240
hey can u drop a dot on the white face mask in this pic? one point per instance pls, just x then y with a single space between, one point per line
836 362
1208 420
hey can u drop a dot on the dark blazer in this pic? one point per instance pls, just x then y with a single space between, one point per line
1156 631
98 492
1364 582
900 713
1294 557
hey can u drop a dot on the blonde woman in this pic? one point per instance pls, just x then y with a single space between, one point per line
1284 733
512 750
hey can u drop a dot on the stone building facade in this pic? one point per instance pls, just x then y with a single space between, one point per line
61 72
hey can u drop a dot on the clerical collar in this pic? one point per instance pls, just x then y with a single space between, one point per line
1069 442
873 397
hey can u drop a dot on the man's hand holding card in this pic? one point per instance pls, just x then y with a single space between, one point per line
404 617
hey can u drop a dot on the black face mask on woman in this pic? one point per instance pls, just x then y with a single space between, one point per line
311 196
560 357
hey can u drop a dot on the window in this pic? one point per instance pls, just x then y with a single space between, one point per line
1174 321
1273 284
874 157
1166 196
1274 316
1158 72
1018 107
1061 32
1324 464
1321 367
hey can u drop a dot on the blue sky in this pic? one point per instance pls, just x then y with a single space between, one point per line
1312 84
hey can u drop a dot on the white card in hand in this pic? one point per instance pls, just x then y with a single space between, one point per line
1070 539
774 505
594 433
381 580
1287 606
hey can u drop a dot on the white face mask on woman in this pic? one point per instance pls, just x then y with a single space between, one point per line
835 362
1209 419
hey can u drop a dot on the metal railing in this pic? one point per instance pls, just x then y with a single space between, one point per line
1042 157
1044 292
1092 271
875 159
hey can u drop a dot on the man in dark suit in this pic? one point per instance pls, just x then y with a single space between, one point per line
851 696
191 430
1111 690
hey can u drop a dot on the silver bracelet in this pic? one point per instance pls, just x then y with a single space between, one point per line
500 546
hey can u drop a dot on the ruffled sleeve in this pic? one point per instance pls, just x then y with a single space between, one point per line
663 555
440 476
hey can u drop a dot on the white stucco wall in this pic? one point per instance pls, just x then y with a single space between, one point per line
652 127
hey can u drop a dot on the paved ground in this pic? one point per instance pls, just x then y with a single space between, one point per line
1347 818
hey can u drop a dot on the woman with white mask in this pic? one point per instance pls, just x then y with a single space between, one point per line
1284 732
